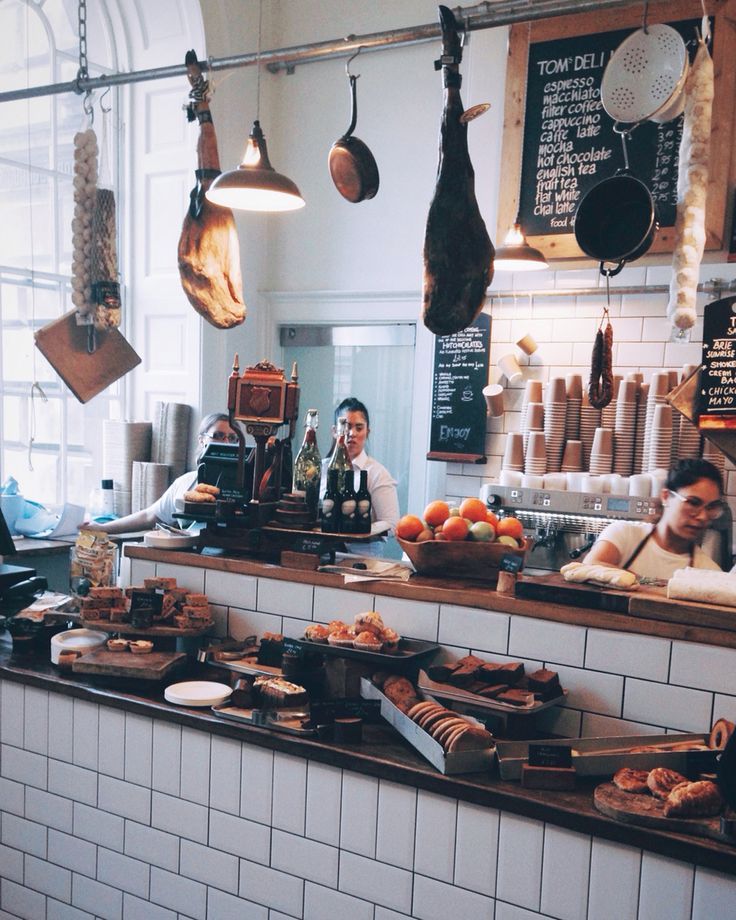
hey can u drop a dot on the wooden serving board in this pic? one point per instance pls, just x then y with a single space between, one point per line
652 602
64 345
150 632
647 811
554 589
152 666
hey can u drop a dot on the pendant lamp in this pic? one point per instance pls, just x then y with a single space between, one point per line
255 185
516 255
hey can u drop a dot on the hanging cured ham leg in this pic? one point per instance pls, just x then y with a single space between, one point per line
209 252
458 253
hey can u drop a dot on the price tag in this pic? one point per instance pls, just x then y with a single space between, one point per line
510 563
311 543
324 712
550 755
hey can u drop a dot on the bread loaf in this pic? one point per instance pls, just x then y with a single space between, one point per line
606 575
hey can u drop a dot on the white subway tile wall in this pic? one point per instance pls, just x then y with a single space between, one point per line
423 856
564 328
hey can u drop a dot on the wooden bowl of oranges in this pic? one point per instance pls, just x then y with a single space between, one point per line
464 542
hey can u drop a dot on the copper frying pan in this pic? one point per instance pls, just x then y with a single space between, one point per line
352 165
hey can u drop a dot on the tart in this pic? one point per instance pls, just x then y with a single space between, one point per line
117 645
140 646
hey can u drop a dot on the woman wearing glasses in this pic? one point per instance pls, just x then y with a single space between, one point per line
691 499
213 428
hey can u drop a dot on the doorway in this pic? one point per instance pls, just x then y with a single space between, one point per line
374 363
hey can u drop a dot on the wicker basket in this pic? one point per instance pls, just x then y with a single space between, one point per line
459 559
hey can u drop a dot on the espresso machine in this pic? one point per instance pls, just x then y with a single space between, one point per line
562 526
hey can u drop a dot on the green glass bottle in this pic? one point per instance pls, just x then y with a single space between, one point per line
340 459
308 464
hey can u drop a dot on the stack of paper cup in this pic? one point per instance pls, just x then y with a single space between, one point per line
535 460
658 389
714 455
513 456
572 458
574 388
660 445
624 438
532 394
534 420
688 439
601 453
608 413
555 408
641 423
590 419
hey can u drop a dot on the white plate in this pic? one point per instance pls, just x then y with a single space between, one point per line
158 539
197 693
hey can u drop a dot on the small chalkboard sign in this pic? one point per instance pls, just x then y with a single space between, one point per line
550 755
717 394
458 426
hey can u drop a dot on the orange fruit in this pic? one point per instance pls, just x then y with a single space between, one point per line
492 519
436 513
440 536
510 527
455 528
409 527
473 509
425 534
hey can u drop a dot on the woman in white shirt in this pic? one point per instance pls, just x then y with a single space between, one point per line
691 499
381 484
214 427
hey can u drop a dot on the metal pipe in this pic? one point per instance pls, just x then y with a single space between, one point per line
715 286
487 15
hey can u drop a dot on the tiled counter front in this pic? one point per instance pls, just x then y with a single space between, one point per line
617 683
107 813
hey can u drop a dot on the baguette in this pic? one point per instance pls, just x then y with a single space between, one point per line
606 575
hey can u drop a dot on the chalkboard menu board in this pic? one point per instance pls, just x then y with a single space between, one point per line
559 142
458 428
717 396
569 141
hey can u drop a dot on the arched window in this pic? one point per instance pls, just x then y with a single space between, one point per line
51 443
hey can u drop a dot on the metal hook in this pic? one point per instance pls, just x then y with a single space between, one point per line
350 60
645 24
88 106
105 111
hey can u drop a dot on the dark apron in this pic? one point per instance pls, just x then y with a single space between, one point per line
641 546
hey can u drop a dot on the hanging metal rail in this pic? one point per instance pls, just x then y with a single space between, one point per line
715 286
486 15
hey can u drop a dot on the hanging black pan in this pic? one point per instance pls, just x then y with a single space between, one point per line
352 165
616 221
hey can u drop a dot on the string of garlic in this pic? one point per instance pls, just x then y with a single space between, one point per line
85 193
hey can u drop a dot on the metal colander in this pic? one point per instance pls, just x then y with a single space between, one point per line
645 74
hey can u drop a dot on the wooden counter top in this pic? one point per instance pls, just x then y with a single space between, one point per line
383 754
648 613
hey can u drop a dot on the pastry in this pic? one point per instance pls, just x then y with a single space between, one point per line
390 638
469 738
441 672
693 800
630 780
661 781
425 716
418 708
720 733
140 646
316 632
368 641
369 622
117 645
199 497
279 693
516 697
346 637
401 692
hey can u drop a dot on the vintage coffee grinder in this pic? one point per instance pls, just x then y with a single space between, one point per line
261 400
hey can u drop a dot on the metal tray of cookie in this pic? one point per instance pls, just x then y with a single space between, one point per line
409 651
280 720
474 701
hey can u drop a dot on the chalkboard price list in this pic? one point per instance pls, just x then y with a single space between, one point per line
569 140
458 405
